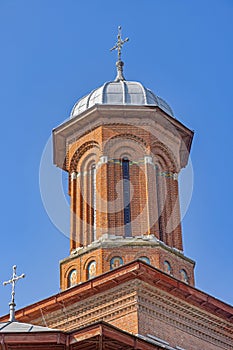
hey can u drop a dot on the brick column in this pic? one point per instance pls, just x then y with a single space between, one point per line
85 190
73 191
163 199
79 211
177 229
151 195
101 197
137 181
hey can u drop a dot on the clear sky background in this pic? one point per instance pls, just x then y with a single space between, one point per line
52 53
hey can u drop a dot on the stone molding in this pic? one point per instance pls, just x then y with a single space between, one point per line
109 240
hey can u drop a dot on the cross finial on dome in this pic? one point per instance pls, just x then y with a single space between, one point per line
13 281
118 46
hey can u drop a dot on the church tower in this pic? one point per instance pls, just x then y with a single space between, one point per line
126 284
123 150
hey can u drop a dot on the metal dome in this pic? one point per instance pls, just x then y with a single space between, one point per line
121 92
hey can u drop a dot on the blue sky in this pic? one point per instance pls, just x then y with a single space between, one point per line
54 52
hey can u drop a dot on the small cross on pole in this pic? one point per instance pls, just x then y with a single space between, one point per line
119 43
13 281
118 46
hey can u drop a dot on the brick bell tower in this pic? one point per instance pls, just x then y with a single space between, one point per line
123 149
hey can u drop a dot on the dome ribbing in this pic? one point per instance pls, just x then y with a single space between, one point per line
120 93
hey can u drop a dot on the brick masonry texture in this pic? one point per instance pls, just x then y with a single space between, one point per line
142 308
130 251
139 299
154 203
159 299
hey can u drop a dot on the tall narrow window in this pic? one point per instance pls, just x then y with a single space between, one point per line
93 202
126 196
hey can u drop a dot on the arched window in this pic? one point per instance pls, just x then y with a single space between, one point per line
167 267
91 269
115 262
145 259
184 276
126 196
72 278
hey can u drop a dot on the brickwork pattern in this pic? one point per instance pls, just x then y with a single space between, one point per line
154 205
157 255
140 308
112 142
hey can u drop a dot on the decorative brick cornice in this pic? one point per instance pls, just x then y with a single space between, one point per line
137 297
136 270
107 306
100 115
188 318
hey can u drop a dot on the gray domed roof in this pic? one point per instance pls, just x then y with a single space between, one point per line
121 92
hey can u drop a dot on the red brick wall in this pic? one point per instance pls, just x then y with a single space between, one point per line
171 334
114 142
157 255
154 205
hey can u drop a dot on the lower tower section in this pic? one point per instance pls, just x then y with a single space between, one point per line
112 252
